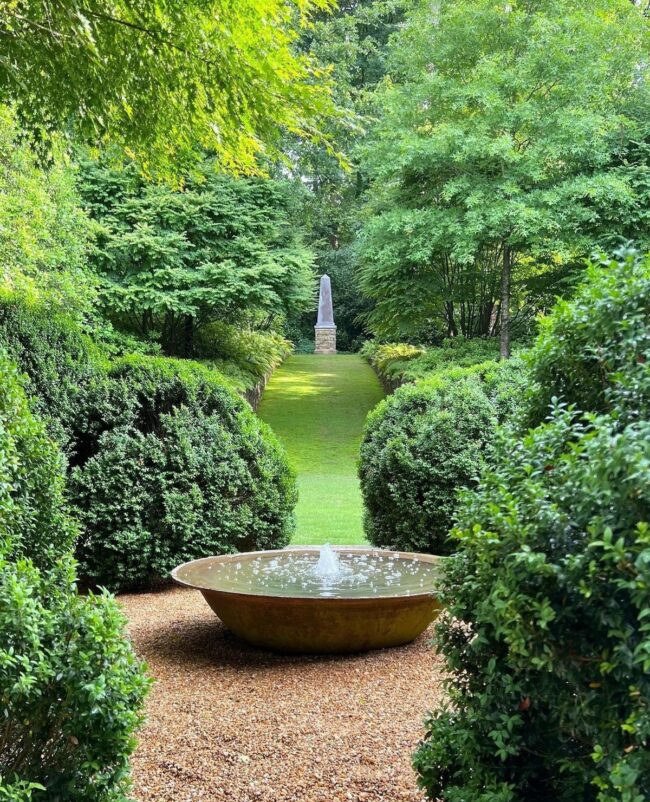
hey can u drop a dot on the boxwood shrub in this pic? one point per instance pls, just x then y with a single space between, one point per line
547 640
70 685
181 469
426 441
60 361
166 462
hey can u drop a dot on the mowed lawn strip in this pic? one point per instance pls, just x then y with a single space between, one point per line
317 406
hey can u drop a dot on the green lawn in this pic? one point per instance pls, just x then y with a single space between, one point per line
317 406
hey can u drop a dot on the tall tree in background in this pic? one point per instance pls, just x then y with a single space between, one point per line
352 42
498 157
220 249
164 79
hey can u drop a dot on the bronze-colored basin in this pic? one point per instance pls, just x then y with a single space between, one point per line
386 598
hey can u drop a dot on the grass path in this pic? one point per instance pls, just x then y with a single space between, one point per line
317 406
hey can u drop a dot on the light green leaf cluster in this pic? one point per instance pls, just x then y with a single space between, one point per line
500 145
164 79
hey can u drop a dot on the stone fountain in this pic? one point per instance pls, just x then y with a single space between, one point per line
319 600
325 330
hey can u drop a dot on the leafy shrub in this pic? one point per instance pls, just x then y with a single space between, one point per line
183 469
33 523
57 357
70 685
547 641
390 359
243 355
551 663
400 362
422 444
593 350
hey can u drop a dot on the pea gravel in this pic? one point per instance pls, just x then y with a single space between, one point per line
230 722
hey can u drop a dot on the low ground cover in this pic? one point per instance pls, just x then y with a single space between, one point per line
316 405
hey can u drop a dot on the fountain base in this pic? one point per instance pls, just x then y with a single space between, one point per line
323 626
291 601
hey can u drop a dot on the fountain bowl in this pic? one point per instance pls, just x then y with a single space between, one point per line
317 616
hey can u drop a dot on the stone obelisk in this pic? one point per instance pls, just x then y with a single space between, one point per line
325 328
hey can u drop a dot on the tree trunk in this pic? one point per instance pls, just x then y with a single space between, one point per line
505 303
188 336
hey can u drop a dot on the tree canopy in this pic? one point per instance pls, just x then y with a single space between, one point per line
498 151
221 249
164 79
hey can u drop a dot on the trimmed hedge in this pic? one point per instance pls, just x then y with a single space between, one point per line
59 360
426 441
547 641
71 687
166 462
184 469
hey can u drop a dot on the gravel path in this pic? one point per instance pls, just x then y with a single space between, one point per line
227 722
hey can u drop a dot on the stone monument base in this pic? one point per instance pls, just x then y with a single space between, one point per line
325 340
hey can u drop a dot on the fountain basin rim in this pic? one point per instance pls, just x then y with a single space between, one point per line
320 600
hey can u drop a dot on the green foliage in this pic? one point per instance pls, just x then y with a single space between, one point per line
44 235
164 82
593 350
352 41
60 361
245 356
390 360
33 522
402 362
173 261
500 151
182 469
72 688
548 699
70 684
425 442
547 642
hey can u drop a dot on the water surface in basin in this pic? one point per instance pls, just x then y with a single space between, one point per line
302 573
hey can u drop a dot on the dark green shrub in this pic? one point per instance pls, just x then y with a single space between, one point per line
547 641
593 351
183 470
550 667
59 360
425 442
33 523
70 685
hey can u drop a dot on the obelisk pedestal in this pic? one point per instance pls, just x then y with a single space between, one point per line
325 330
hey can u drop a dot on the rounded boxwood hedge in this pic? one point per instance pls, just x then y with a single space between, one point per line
70 685
166 462
426 441
181 469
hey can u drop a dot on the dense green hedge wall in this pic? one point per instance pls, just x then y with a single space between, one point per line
183 470
426 441
547 641
70 685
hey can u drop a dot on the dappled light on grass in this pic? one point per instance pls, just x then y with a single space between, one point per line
317 406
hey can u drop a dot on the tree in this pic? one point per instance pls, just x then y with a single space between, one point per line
493 161
164 80
353 42
44 233
172 261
